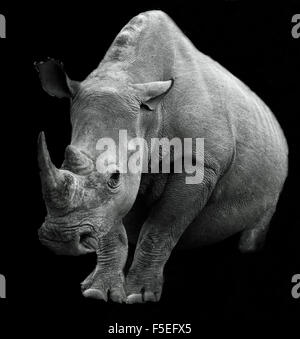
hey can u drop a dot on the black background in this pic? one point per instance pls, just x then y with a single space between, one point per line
215 287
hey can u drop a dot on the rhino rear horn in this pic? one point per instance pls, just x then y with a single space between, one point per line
76 161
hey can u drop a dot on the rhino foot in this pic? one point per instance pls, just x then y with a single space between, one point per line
104 286
143 287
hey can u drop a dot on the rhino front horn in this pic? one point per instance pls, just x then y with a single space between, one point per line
61 189
50 174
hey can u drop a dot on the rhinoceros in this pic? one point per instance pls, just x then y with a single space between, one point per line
154 83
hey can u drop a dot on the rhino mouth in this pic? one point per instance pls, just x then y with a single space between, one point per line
82 242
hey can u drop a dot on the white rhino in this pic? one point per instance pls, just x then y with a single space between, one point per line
153 82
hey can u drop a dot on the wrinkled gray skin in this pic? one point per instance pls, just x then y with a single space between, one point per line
154 83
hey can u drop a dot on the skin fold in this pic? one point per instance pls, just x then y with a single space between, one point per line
154 83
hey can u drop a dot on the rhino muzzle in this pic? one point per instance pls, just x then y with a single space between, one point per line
63 191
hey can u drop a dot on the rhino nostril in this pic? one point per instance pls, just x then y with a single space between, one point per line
88 241
84 236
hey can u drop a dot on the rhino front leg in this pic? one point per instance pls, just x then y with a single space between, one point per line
172 214
107 280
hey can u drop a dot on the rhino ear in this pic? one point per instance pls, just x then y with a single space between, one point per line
151 93
54 79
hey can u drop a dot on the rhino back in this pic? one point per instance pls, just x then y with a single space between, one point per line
205 101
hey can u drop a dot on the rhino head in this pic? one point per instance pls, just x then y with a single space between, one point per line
82 203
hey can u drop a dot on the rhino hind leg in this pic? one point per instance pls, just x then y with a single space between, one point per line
253 239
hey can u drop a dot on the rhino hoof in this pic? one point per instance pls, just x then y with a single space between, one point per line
96 286
117 295
138 298
143 287
135 298
94 294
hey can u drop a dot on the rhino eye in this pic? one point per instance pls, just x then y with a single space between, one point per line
114 180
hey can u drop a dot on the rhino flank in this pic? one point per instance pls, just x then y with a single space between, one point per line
153 82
